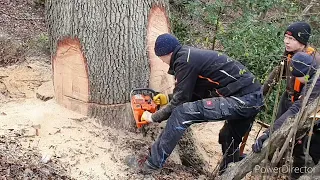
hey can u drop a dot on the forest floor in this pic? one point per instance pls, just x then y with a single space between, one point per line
43 140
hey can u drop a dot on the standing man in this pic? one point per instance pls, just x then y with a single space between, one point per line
302 66
296 38
209 87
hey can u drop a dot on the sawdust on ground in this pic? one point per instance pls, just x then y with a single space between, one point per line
85 149
207 135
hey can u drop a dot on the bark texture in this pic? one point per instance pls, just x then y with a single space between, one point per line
100 53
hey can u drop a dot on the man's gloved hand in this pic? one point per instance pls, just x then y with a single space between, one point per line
257 146
146 116
161 99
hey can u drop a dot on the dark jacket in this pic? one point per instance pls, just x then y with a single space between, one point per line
296 106
273 77
202 74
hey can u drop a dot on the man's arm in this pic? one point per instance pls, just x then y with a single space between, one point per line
186 77
294 109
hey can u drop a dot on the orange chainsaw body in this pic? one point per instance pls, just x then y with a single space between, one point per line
141 100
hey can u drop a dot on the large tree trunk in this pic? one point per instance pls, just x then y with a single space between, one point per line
101 50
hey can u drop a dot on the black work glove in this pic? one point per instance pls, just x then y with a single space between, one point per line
257 146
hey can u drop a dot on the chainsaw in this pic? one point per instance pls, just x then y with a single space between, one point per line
141 101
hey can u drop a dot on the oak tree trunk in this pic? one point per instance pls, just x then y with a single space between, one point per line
101 50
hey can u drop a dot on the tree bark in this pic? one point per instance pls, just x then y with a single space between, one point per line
101 50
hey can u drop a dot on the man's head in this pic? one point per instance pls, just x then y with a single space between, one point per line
302 64
296 36
164 46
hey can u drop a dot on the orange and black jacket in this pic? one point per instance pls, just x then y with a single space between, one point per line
293 86
202 74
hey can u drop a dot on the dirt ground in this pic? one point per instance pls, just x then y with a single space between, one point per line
42 140
80 148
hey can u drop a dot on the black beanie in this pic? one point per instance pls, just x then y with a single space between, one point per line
301 31
302 64
165 44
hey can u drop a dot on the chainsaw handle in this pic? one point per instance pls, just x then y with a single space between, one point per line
143 89
142 122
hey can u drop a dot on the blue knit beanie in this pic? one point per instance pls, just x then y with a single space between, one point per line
302 64
165 44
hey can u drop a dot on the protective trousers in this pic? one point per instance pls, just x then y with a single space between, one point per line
239 113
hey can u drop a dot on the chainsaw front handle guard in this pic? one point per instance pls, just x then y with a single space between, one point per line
143 89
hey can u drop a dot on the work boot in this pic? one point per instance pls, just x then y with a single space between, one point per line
141 163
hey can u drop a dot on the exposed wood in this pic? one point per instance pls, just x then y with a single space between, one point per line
45 91
70 75
159 79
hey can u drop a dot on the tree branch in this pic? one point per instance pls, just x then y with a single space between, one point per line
240 169
312 3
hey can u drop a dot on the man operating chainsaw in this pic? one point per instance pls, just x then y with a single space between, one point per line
209 87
